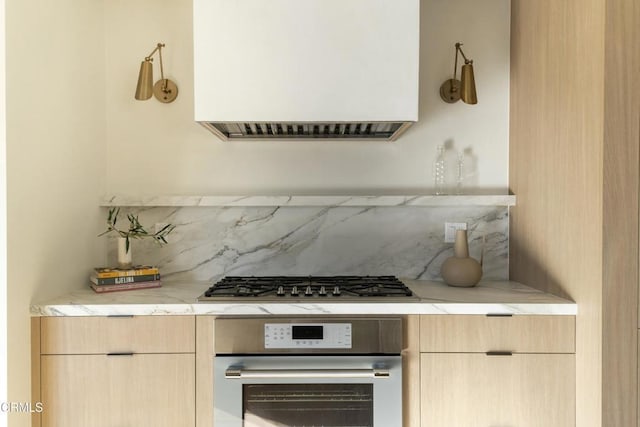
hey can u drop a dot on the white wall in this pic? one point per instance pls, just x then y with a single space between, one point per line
71 74
156 148
55 161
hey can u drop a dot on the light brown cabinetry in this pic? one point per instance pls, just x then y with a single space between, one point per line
497 371
133 371
118 371
479 334
107 391
101 335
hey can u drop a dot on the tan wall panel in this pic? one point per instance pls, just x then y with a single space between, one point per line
35 369
620 222
204 370
556 168
411 372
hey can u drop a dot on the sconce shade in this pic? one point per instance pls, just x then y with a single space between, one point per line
144 90
453 90
468 85
164 90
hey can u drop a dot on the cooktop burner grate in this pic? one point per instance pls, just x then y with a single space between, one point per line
307 287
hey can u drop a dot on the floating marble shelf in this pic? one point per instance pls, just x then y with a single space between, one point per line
303 201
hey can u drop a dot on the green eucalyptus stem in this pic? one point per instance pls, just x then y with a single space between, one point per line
136 230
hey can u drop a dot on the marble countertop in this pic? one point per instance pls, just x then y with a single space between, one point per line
175 298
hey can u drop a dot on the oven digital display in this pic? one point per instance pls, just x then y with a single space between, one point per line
307 335
307 332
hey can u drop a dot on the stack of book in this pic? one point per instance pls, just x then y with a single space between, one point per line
106 279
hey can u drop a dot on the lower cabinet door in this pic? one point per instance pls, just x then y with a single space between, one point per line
479 390
118 391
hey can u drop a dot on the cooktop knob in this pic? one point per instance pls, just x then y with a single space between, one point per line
280 292
322 291
336 291
294 290
308 292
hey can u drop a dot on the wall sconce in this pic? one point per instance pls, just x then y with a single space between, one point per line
452 90
164 90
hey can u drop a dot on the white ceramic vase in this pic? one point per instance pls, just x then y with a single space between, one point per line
124 255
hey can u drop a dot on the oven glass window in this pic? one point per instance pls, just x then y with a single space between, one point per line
307 405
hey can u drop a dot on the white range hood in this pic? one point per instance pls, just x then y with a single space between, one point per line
306 68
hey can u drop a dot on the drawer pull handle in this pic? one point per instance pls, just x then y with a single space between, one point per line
120 316
500 315
499 353
126 353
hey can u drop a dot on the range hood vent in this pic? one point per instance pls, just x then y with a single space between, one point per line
311 69
251 130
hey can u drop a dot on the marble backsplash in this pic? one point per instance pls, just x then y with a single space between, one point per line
406 241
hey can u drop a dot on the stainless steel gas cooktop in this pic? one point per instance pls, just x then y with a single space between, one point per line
335 288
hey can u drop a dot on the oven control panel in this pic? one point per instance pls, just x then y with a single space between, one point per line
307 335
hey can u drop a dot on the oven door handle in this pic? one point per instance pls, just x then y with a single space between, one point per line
237 373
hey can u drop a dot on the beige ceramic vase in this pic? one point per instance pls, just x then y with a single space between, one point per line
461 270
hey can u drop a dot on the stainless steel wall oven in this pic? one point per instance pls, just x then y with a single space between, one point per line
330 372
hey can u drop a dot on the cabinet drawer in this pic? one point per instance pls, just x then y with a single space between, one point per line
103 335
518 334
476 390
107 391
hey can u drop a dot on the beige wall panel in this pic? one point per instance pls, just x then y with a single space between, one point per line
620 226
638 379
204 367
556 169
35 369
411 372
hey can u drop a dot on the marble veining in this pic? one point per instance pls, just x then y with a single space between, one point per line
175 298
301 201
405 241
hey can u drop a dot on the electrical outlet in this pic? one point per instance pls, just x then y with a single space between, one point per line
450 230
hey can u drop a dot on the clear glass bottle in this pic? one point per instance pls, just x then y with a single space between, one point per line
439 171
460 173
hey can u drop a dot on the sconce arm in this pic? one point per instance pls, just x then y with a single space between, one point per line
158 48
459 49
